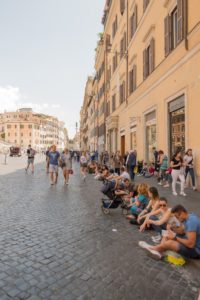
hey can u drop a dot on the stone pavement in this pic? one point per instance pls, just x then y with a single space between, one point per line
16 163
55 243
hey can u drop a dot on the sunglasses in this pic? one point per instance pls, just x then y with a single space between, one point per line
163 205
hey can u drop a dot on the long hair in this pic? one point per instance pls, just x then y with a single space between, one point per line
176 153
153 190
187 152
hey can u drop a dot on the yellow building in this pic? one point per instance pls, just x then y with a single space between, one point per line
151 57
25 127
85 129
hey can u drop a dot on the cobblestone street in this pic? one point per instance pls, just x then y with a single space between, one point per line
56 243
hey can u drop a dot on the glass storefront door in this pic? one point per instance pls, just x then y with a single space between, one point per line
177 124
151 135
177 130
150 141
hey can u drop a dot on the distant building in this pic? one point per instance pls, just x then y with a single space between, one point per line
25 127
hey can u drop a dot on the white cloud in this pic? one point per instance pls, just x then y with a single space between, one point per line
11 99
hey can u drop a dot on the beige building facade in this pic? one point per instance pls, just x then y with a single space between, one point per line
154 82
147 82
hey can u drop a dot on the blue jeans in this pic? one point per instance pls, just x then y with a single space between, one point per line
191 172
158 228
131 172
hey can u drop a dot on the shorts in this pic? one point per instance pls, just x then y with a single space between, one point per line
135 210
30 160
188 252
53 169
84 165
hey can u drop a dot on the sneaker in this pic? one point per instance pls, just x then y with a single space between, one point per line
183 194
52 183
153 253
175 194
144 245
166 185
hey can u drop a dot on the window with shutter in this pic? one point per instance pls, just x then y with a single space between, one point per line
121 48
144 64
133 22
122 92
145 4
180 19
113 102
132 80
134 77
113 64
152 56
173 27
167 36
122 6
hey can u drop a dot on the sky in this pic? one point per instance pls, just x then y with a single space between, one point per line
46 54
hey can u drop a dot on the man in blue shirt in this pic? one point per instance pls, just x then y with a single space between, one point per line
188 245
53 157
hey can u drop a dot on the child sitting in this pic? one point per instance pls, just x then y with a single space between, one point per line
140 202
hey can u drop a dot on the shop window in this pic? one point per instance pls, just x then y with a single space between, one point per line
133 142
177 124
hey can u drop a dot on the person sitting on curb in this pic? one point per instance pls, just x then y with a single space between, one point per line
152 206
140 202
187 246
159 219
128 191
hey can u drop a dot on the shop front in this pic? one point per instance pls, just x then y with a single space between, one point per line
176 110
151 135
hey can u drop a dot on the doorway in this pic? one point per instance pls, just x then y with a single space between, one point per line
123 145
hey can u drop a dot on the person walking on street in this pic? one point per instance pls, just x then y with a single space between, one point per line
54 157
83 162
163 166
117 162
189 163
178 172
66 164
131 163
47 160
31 156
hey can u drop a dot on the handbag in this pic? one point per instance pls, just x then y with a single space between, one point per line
71 172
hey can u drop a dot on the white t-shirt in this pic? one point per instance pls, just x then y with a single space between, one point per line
83 160
125 175
189 160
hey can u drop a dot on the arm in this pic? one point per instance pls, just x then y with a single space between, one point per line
162 221
189 242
